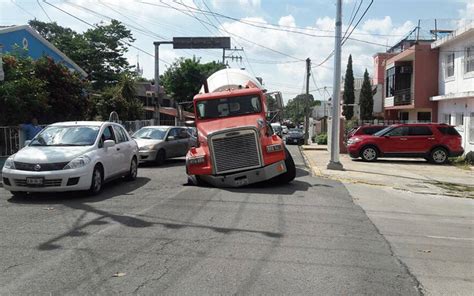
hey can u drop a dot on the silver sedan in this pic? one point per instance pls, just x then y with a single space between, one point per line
157 143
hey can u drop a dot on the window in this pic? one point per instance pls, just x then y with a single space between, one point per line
423 116
108 134
390 82
226 107
419 131
447 118
449 69
459 119
469 59
120 133
399 131
174 132
404 116
448 130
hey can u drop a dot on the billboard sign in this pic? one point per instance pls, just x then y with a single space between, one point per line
201 42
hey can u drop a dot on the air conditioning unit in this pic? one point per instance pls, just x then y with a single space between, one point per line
405 69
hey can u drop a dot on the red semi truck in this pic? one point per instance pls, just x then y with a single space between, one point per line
236 146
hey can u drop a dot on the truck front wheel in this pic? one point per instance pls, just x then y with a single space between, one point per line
290 170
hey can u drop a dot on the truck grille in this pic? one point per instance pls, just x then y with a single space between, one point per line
235 152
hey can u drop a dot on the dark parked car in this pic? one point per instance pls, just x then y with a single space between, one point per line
432 141
295 136
365 130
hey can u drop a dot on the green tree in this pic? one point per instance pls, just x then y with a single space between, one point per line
41 88
67 95
183 79
348 96
21 93
100 51
296 108
366 100
120 98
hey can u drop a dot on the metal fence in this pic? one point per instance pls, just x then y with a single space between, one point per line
10 136
9 140
135 125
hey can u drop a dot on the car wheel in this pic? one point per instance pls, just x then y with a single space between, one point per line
369 153
97 181
160 157
132 174
19 193
439 155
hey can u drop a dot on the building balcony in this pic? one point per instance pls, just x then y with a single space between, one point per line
402 97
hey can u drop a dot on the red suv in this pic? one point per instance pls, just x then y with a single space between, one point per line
432 141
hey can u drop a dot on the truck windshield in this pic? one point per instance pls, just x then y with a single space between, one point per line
226 107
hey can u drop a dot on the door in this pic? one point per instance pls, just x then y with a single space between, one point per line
395 141
172 143
123 149
109 156
420 139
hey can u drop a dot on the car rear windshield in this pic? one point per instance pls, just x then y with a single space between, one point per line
152 133
227 107
66 136
448 130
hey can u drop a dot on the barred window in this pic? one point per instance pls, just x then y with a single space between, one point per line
449 70
469 59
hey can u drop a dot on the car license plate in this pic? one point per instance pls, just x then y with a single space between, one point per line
241 182
295 141
34 181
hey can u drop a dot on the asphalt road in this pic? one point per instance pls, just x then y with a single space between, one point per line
156 235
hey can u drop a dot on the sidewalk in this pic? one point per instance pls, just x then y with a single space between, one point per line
414 175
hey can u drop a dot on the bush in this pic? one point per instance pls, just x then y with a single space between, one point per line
322 139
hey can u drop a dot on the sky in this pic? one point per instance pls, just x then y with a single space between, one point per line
277 36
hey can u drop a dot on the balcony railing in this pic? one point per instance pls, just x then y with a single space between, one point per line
402 97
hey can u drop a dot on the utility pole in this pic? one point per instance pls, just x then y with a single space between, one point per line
306 107
334 163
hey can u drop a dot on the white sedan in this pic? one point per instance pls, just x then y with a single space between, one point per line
71 156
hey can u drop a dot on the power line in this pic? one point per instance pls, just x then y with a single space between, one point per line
280 29
353 16
344 40
233 34
94 26
277 26
24 10
360 19
41 6
243 50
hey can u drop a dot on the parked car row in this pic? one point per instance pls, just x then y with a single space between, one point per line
83 155
431 141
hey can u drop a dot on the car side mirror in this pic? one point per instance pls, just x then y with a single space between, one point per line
171 138
109 144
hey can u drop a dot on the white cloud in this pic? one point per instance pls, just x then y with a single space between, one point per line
378 25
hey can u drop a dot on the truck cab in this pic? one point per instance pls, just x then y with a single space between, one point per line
236 146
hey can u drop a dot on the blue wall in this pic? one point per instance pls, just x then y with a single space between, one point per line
35 50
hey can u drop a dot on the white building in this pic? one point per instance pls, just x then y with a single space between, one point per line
456 82
377 96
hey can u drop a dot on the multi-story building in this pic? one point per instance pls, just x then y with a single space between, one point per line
409 79
455 98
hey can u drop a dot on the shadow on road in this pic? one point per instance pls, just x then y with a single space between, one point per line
112 189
